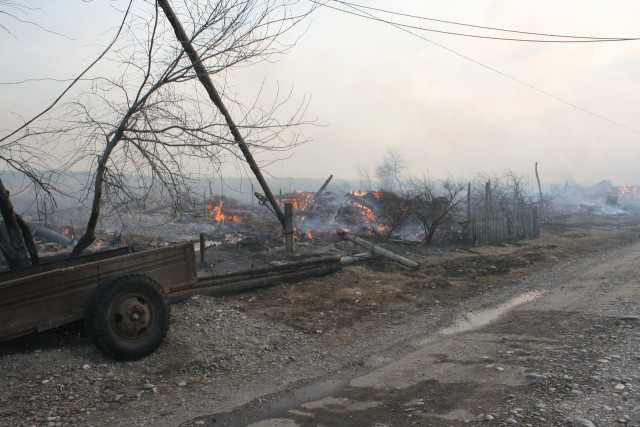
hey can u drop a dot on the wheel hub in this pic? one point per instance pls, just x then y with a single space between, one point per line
132 317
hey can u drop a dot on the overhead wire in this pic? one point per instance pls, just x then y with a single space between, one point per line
563 38
503 74
406 15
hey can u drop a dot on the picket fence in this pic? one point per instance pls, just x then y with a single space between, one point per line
504 227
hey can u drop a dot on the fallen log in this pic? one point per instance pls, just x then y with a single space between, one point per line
235 282
249 284
352 259
378 250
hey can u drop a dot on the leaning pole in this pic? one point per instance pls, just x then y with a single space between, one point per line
204 78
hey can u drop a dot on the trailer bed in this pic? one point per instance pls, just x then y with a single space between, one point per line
42 297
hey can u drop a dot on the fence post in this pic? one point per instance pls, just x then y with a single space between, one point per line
202 249
289 234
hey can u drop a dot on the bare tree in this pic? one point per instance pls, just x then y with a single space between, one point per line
435 201
519 187
391 171
500 194
18 12
143 130
16 241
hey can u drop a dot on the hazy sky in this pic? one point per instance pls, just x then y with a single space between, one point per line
375 87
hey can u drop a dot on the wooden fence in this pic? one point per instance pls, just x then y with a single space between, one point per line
504 227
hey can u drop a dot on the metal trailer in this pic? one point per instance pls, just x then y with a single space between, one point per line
121 294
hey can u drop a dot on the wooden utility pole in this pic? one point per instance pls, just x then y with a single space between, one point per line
487 197
469 202
539 188
203 76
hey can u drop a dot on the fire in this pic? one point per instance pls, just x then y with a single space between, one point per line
300 200
215 212
631 189
65 232
365 211
362 203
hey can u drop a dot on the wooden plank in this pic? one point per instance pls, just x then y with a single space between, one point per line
61 263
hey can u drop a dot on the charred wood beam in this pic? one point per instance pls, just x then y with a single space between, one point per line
221 279
319 192
230 283
378 250
249 284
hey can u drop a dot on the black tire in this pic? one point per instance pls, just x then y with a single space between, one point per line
128 317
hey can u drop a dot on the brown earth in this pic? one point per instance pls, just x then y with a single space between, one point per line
360 297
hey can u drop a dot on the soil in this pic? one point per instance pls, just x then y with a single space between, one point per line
222 353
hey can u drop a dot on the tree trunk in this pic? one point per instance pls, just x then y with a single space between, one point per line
89 235
28 240
13 247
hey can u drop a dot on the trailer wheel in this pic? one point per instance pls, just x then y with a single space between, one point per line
128 317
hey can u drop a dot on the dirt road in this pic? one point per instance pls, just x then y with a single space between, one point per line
563 350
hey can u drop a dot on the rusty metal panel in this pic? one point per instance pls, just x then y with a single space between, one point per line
51 298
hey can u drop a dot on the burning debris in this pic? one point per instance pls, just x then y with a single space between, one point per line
599 199
317 214
626 196
215 212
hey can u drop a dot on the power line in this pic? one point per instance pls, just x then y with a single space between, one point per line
484 27
401 28
369 16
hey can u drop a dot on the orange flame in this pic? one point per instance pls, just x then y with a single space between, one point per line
301 201
365 211
632 189
215 212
